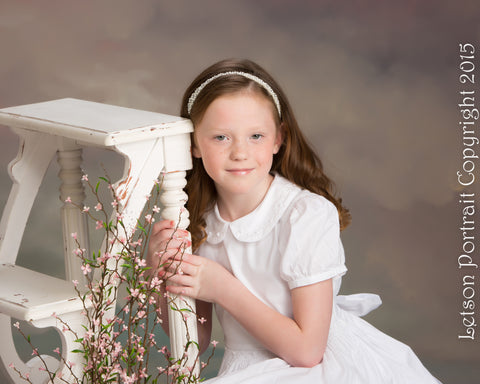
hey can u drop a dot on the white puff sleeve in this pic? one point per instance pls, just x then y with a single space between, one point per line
310 245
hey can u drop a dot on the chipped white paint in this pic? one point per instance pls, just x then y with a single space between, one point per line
150 143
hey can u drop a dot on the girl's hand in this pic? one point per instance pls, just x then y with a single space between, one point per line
196 277
166 241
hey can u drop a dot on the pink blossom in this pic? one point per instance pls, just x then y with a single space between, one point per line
149 219
86 209
119 216
155 209
98 207
35 352
75 283
11 365
74 235
114 203
17 325
86 269
155 282
202 320
57 350
68 200
99 224
214 343
85 177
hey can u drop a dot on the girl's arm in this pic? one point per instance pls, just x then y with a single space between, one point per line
300 341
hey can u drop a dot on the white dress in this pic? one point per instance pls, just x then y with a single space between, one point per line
292 239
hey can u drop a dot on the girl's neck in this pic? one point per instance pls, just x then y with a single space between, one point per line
234 206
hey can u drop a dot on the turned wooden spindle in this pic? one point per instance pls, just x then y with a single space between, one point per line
73 220
173 199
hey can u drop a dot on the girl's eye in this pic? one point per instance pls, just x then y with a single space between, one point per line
220 137
257 136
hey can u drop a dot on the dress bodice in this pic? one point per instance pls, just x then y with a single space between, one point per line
290 240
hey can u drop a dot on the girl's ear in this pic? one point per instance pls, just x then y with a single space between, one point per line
278 139
195 152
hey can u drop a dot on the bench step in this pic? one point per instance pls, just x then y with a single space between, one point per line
29 295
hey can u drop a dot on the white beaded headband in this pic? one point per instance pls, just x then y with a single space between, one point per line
256 79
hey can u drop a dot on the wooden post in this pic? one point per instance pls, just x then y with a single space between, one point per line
183 324
73 221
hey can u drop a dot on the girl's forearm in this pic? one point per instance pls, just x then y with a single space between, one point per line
299 343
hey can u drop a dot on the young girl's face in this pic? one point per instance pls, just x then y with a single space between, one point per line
236 140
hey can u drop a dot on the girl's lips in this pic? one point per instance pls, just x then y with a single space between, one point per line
242 171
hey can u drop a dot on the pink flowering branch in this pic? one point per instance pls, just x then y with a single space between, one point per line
110 357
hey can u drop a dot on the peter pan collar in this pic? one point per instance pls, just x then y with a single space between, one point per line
258 223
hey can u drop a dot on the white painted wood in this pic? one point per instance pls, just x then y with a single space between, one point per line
94 123
150 143
69 158
182 324
25 301
145 162
76 322
36 303
26 171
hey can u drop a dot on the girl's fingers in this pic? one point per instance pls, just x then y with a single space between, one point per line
180 268
188 257
181 244
161 225
166 229
181 290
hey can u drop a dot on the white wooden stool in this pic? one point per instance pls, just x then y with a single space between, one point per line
151 143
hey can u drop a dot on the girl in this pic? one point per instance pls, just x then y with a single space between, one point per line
265 229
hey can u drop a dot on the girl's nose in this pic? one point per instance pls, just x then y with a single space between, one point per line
239 151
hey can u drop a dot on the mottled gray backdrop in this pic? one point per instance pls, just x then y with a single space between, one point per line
374 85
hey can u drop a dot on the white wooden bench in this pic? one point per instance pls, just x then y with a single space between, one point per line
151 143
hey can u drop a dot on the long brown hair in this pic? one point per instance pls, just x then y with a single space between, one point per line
296 160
